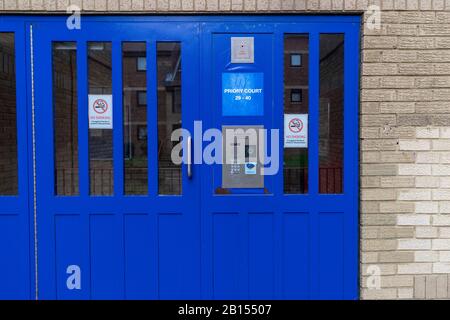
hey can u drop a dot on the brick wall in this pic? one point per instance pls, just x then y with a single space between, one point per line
405 129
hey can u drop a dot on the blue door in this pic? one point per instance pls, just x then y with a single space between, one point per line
294 233
16 228
128 204
117 219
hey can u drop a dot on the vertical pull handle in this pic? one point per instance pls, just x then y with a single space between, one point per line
189 157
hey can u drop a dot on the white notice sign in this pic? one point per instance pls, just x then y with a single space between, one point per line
100 112
296 131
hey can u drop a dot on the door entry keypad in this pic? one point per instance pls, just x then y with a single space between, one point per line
242 167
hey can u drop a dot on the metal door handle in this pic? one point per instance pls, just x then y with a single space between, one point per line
189 157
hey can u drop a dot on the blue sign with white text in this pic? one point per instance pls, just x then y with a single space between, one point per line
242 94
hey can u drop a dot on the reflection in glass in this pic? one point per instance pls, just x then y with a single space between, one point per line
169 115
331 132
296 59
296 101
100 140
135 119
8 124
65 118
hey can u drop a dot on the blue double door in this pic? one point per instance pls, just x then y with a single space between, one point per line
118 217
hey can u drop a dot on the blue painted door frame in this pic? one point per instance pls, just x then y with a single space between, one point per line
198 245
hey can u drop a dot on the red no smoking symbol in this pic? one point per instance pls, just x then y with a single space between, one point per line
100 106
296 125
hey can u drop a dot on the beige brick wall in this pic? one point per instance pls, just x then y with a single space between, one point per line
405 129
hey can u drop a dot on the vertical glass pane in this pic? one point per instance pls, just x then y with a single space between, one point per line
296 108
169 115
65 118
331 132
100 140
135 118
8 124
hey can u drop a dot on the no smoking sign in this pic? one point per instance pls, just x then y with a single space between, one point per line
100 112
296 131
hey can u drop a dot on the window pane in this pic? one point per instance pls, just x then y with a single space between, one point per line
296 95
135 120
142 98
296 60
100 140
331 132
8 124
296 104
169 115
141 63
65 113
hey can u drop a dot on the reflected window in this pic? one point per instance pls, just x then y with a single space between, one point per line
142 98
296 59
141 63
296 95
331 114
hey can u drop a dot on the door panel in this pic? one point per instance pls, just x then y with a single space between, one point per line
297 238
16 267
238 222
120 236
